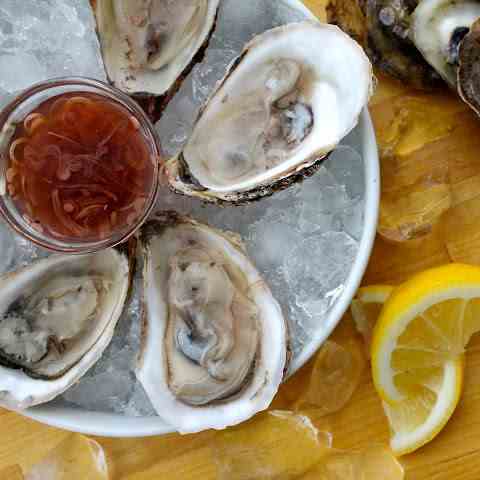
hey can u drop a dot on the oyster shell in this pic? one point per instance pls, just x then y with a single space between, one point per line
438 28
148 44
382 27
389 45
57 316
468 72
215 340
284 104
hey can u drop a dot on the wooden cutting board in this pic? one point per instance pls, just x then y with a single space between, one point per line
431 183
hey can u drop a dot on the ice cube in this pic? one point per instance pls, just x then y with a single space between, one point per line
67 18
322 198
208 74
20 70
31 50
279 11
271 238
335 376
106 391
350 219
6 27
346 166
90 461
128 330
273 445
377 461
7 248
317 269
26 252
138 404
240 21
175 126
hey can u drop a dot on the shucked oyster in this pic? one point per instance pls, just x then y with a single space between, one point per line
382 27
215 340
285 103
400 32
438 29
57 316
447 34
388 24
147 44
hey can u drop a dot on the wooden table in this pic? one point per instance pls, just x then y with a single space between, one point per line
432 176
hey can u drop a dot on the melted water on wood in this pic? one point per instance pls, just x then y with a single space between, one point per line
80 166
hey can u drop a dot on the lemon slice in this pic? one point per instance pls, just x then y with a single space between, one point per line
418 351
366 307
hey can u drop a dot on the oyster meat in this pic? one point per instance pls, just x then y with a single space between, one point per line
57 316
215 339
438 28
284 104
148 44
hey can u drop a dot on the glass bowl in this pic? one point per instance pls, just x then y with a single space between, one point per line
16 112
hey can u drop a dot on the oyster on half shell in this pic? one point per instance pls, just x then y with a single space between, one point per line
383 28
148 44
438 29
285 103
215 339
57 316
388 23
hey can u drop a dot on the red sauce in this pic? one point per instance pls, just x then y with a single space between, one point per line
80 167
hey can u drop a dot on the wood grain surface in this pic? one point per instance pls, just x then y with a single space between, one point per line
431 181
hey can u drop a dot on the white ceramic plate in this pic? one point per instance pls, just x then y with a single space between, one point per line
117 425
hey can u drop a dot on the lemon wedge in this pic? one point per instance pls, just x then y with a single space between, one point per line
418 351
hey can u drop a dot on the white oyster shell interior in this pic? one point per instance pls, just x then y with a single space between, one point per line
286 102
215 338
56 318
147 44
435 25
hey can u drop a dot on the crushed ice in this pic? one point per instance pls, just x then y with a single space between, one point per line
45 39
